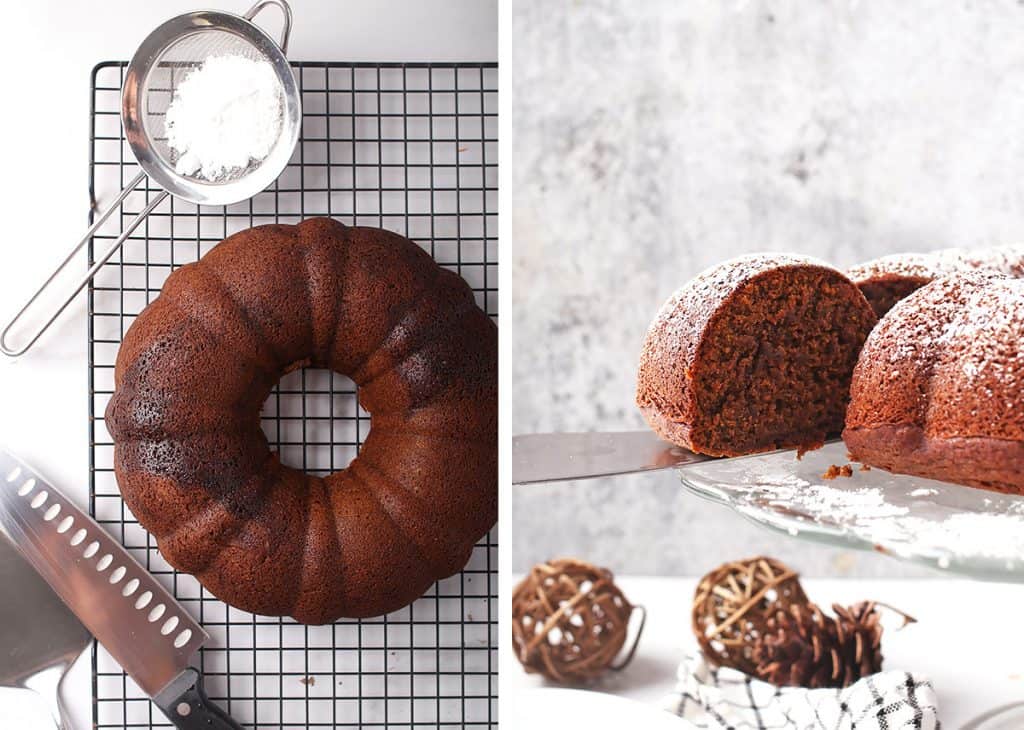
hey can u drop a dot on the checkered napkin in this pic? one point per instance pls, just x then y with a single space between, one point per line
725 699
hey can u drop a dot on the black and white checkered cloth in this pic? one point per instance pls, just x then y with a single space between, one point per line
725 699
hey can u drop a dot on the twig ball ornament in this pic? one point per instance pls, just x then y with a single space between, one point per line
732 605
570 621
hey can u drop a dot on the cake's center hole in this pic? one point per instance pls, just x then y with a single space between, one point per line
313 420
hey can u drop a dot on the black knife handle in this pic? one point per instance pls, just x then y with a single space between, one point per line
192 710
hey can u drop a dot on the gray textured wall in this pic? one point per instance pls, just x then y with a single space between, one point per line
653 139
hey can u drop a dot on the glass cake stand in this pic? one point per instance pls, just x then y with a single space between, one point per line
946 526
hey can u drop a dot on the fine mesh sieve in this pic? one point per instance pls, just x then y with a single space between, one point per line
172 51
164 59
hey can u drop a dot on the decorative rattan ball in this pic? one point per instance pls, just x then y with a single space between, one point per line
570 621
733 603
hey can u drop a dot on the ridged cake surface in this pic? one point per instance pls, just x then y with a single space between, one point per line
938 391
194 465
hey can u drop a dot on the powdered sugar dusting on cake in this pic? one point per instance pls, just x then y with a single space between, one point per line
699 298
947 359
763 292
675 334
915 265
1008 260
991 317
958 308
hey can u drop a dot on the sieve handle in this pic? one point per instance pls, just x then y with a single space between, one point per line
286 11
15 351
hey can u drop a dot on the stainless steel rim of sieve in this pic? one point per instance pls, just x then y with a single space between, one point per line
144 144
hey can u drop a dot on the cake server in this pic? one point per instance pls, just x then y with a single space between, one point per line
132 615
39 636
559 457
556 457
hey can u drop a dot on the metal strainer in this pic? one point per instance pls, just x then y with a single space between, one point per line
164 58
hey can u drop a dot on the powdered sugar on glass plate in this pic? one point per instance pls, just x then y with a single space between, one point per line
949 526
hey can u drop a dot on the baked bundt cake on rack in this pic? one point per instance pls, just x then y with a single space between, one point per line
888 279
938 391
194 465
752 355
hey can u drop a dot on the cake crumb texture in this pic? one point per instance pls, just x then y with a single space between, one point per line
753 355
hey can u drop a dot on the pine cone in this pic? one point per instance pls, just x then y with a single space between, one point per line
805 648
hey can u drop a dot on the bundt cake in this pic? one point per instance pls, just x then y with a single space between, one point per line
938 391
194 465
886 280
752 355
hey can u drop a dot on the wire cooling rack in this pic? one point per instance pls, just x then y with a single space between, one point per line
407 147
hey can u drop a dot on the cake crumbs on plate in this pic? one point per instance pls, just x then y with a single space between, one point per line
838 471
865 467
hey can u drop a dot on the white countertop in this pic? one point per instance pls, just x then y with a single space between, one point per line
49 53
975 664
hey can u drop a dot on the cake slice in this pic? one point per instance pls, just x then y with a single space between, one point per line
753 355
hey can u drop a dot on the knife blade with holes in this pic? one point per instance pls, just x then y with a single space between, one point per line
132 615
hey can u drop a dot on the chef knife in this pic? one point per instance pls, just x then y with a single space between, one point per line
132 615
556 457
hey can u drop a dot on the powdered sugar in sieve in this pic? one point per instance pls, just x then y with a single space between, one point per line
225 117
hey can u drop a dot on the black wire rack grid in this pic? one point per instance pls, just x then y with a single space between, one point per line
407 147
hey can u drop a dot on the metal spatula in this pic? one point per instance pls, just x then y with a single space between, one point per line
557 457
39 636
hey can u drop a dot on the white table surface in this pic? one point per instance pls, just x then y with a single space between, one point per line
965 640
49 51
